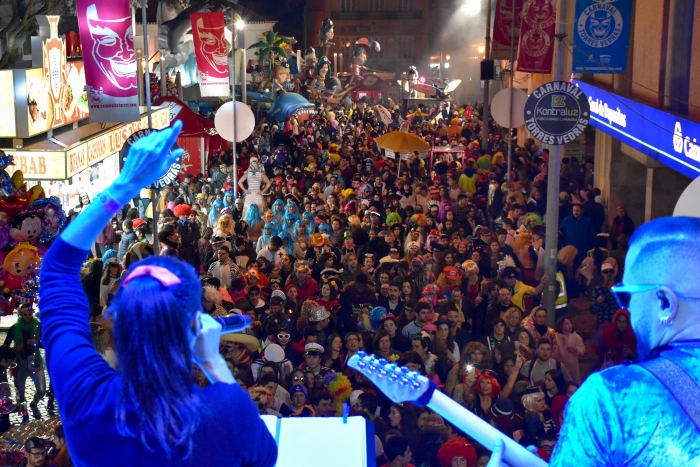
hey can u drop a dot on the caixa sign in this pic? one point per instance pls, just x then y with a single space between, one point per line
668 138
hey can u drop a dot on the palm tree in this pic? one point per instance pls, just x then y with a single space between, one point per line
272 45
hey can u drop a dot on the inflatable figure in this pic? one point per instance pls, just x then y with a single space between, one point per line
26 226
20 265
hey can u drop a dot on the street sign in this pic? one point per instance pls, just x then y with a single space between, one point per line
557 113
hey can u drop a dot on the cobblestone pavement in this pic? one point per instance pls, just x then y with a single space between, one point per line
16 418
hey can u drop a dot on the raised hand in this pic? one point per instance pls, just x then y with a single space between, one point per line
148 159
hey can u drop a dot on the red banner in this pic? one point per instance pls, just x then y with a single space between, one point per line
210 48
506 26
110 64
537 37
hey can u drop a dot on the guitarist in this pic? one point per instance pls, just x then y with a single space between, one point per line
635 414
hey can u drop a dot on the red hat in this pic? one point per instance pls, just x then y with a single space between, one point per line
451 272
136 223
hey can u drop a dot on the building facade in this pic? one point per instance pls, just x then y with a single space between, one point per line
402 28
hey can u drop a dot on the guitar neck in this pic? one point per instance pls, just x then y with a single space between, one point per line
483 432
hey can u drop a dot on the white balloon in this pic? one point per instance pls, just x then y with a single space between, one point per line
687 204
245 121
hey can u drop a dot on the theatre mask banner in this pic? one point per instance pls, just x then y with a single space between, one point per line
110 64
537 37
506 28
210 48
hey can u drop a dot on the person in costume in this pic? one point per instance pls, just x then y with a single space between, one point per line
255 176
26 334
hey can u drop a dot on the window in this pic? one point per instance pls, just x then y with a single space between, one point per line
405 5
404 47
376 5
347 5
379 54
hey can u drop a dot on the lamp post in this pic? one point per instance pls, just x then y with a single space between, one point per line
237 26
487 110
335 63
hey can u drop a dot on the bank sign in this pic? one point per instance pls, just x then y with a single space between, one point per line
669 139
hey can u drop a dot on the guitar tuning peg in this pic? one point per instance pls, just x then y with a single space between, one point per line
394 374
405 370
361 354
383 361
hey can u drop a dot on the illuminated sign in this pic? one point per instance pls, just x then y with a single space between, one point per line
54 68
61 165
95 150
8 126
669 139
39 165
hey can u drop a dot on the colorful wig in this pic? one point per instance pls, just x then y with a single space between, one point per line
252 215
393 216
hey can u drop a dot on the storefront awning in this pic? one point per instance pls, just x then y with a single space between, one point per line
193 124
49 161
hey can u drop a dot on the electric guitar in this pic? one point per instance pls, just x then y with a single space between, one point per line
403 385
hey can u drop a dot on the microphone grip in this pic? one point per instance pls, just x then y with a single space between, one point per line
234 323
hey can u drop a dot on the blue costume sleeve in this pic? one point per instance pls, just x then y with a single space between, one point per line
75 367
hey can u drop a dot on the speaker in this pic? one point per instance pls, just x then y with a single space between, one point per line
487 70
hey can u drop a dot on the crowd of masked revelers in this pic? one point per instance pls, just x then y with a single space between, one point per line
332 248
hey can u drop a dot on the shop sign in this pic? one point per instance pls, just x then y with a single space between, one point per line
557 113
670 139
95 150
39 165
8 126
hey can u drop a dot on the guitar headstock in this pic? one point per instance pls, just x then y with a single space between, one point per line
399 383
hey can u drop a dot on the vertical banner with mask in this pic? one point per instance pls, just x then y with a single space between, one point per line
110 63
506 28
537 36
211 50
602 36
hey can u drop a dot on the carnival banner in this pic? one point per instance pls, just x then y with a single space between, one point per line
506 28
210 48
602 36
110 63
537 36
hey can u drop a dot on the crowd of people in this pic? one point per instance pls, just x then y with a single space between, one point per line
332 248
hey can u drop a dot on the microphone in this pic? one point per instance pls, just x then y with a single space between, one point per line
234 323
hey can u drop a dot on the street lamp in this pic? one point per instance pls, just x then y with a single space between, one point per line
238 24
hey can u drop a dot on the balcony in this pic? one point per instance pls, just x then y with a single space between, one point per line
376 15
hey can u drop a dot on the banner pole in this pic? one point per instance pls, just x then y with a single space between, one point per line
147 56
234 177
554 169
163 75
512 73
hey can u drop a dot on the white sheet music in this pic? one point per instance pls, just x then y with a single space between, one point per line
319 442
